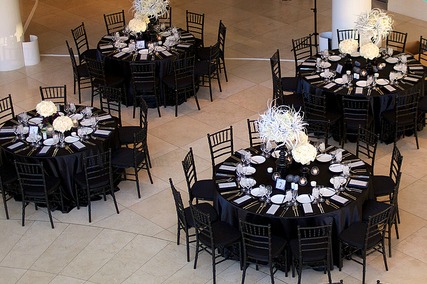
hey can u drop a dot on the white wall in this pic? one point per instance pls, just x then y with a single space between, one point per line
413 8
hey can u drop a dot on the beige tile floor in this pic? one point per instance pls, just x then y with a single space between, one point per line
138 245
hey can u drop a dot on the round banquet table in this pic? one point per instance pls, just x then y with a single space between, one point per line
382 95
285 220
63 163
117 61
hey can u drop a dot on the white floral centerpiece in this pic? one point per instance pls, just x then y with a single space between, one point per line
150 8
62 124
46 108
348 46
286 126
374 26
139 23
369 51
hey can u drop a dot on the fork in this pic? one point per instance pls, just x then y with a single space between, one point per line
348 195
55 152
260 208
331 204
284 211
320 208
295 208
252 204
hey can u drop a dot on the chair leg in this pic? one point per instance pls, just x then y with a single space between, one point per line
195 97
89 209
245 266
176 104
137 182
340 256
148 170
197 254
271 273
384 255
134 108
114 199
210 88
213 266
50 214
23 211
364 266
219 82
225 69
3 193
187 244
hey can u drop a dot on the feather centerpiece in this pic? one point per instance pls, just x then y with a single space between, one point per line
374 25
150 8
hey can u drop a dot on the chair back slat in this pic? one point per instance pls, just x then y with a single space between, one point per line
166 18
347 34
6 109
256 238
366 147
56 94
189 167
254 137
314 240
111 101
80 40
98 171
396 40
196 24
203 226
221 144
179 205
303 49
115 22
422 51
396 165
318 129
376 228
276 77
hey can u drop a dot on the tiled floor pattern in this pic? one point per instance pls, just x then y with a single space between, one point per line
139 244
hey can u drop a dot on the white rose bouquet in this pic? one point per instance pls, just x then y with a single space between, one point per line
62 123
348 46
369 51
46 108
304 153
139 23
150 8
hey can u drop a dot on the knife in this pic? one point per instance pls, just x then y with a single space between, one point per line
339 89
23 149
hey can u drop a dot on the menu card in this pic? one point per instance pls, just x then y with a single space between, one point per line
227 184
227 168
273 209
120 54
308 209
242 199
389 88
339 199
358 183
16 145
102 132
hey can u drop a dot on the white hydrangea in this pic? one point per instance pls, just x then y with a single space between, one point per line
304 153
62 124
369 51
348 46
46 108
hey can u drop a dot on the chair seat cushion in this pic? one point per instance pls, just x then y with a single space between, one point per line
123 158
169 81
202 53
278 244
223 235
90 53
294 100
308 256
372 207
202 68
126 134
83 71
355 236
289 84
383 185
96 183
204 189
205 208
422 104
52 185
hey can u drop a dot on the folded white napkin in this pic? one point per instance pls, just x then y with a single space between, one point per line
187 36
108 37
143 57
102 132
273 208
359 90
358 183
107 46
227 168
44 150
357 164
309 64
184 45
104 117
79 145
227 184
166 53
338 156
242 199
16 145
407 78
390 88
416 68
312 77
7 130
308 209
339 199
330 85
120 54
143 51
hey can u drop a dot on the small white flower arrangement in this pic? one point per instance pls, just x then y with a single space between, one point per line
348 46
139 23
46 108
375 25
150 8
369 51
62 124
304 153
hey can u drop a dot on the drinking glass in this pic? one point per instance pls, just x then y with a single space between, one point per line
321 199
269 189
390 51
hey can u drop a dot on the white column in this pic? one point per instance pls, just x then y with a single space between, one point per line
11 36
345 13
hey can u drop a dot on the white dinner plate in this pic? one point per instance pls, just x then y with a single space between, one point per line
327 192
392 60
123 38
35 120
339 81
355 54
249 170
342 180
120 45
71 139
334 58
77 116
361 83
86 122
86 130
125 49
325 64
258 192
247 182
257 160
324 158
279 199
383 82
336 168
49 141
304 198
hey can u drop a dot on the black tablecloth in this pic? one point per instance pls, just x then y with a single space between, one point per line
65 165
381 102
286 226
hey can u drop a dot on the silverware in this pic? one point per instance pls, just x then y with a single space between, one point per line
261 207
23 149
284 212
354 189
69 149
331 204
350 89
399 86
320 208
90 143
339 89
349 195
55 152
252 204
295 208
32 151
234 196
379 91
254 150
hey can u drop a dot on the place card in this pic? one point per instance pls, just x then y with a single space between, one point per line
44 150
359 91
407 78
166 53
273 209
182 45
227 185
242 199
390 88
307 208
5 130
104 117
356 164
358 183
15 145
330 85
339 199
311 77
102 132
227 168
339 68
106 46
120 54
79 145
